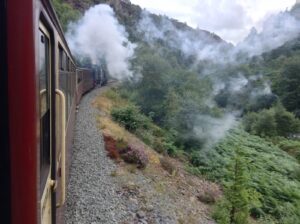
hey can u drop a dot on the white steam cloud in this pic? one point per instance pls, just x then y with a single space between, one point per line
99 36
202 44
213 129
276 30
205 46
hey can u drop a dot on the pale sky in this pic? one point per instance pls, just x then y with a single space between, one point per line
230 19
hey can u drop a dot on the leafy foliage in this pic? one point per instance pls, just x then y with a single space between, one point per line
292 147
272 173
129 116
66 13
287 86
276 121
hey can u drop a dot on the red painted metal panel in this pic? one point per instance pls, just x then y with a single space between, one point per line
22 110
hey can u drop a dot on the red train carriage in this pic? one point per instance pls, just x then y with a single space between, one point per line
39 87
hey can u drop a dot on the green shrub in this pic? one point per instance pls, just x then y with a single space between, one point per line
196 159
291 147
221 212
276 121
128 116
145 136
181 155
113 95
159 146
265 125
170 148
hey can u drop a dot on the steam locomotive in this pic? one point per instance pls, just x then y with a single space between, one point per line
40 87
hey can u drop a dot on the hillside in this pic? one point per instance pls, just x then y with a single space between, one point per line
129 15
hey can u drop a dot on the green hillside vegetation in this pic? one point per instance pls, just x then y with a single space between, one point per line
272 173
268 187
173 95
282 67
66 13
276 121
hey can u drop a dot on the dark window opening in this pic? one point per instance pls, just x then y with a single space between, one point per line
44 88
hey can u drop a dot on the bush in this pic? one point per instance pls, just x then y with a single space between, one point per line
265 125
196 159
286 122
170 148
221 212
134 154
276 121
291 147
118 149
111 148
129 116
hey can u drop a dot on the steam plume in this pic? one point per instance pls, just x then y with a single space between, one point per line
99 36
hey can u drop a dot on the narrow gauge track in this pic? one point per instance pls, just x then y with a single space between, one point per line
91 193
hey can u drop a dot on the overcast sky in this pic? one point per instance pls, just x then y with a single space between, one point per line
230 19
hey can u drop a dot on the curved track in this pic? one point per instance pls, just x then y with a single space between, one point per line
92 195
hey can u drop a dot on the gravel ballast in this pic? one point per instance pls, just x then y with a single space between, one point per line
101 191
91 193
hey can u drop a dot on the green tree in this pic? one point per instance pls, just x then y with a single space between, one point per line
238 192
265 124
276 121
287 86
66 13
286 121
239 197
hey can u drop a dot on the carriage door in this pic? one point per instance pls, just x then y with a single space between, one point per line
47 197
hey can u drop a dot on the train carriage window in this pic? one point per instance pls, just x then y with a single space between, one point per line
79 77
44 88
67 63
61 58
69 91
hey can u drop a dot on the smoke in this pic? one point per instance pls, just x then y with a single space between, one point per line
205 46
98 36
276 30
201 44
236 91
238 83
213 129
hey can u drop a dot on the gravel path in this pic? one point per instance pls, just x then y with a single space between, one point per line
92 193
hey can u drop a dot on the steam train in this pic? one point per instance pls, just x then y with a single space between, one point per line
40 87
